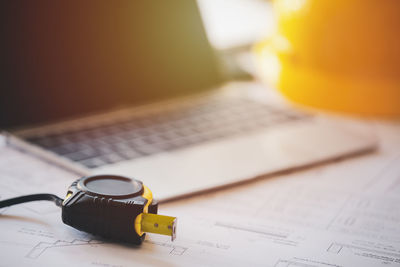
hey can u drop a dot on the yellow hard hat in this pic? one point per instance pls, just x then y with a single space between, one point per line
341 55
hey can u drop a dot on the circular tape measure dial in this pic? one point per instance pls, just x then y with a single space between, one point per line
111 186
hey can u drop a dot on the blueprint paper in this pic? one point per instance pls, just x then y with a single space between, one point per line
345 214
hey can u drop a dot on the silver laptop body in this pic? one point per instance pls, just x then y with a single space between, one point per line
150 102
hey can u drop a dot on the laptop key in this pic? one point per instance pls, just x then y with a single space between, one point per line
148 150
82 154
61 150
93 162
129 154
68 148
112 158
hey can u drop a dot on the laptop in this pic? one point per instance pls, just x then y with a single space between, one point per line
134 88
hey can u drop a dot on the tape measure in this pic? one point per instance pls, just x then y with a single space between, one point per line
114 207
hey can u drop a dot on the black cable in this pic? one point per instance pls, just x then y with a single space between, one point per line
28 198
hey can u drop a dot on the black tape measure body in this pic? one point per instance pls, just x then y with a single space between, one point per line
107 205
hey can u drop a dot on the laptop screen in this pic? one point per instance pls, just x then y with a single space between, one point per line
65 58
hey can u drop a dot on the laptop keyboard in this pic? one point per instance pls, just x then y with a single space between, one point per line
143 135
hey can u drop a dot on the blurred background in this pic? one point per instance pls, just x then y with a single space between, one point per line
338 56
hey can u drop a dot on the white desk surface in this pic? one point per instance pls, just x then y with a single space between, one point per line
341 214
